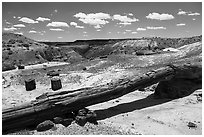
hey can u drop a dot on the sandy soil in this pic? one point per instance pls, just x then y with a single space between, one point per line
135 113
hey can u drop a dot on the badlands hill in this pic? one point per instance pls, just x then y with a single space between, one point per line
19 50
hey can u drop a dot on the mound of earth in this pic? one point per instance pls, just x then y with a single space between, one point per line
91 49
19 50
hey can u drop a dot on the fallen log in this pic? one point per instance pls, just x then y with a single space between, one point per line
53 104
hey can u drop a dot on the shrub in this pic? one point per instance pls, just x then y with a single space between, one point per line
7 66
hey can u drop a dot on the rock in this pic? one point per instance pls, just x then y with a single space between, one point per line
58 120
91 117
82 112
191 125
176 88
66 122
46 125
81 120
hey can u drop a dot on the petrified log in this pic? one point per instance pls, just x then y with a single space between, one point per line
30 84
53 104
56 83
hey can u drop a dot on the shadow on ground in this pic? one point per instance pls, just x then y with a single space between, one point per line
130 106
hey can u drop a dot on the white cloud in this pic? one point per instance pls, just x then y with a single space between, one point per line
158 16
134 32
182 12
193 19
57 24
95 19
124 20
10 29
59 37
141 29
21 33
57 29
28 20
181 24
80 27
75 25
84 32
19 25
155 28
130 14
128 30
42 19
194 14
14 17
19 17
189 13
98 30
8 23
55 10
32 31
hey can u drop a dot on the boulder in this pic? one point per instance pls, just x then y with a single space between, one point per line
176 88
81 120
58 120
67 121
46 125
91 117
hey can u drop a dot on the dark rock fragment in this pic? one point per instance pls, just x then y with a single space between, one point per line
46 125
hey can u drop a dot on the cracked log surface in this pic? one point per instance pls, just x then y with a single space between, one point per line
50 105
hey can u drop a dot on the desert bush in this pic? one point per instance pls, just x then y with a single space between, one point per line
25 45
7 66
11 41
10 52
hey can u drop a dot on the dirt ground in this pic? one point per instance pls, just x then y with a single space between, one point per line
134 113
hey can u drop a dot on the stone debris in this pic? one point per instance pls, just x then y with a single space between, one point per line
46 125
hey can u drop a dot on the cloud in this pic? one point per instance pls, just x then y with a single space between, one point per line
19 17
57 29
42 19
158 16
95 19
8 23
141 29
19 25
21 33
134 32
155 28
28 20
98 30
124 20
194 14
10 29
57 24
75 25
59 37
193 19
32 31
130 14
182 12
181 24
55 10
189 13
14 17
127 30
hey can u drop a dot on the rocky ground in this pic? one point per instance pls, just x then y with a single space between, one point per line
135 113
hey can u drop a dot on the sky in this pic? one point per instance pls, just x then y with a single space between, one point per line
69 21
